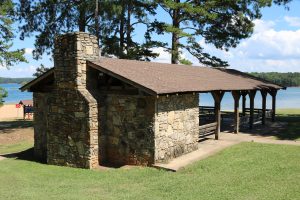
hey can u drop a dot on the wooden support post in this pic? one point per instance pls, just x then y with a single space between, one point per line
273 93
244 94
264 105
251 118
218 95
236 96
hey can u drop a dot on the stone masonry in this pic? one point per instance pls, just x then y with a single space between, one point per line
41 110
79 125
73 114
129 129
176 126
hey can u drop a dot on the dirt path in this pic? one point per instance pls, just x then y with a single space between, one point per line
15 131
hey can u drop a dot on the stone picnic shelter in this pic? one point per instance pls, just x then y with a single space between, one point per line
90 110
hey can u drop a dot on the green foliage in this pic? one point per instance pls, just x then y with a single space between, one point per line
3 94
221 23
289 79
118 20
40 70
8 57
185 61
244 171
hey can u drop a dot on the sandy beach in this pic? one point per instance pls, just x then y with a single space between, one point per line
9 111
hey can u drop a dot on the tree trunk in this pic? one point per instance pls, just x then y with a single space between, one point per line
175 37
97 20
82 19
129 26
122 24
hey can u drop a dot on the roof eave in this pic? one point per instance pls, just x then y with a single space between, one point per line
28 85
117 76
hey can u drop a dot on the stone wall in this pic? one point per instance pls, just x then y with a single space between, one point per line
73 112
79 126
129 129
41 110
176 126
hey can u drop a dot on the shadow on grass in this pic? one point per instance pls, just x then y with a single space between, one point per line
292 130
9 126
286 127
27 155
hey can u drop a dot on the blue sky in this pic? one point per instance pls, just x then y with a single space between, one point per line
274 46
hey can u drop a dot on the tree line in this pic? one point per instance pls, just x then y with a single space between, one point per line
285 79
4 80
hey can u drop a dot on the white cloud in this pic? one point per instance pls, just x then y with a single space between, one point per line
28 51
164 56
266 50
292 21
18 71
261 25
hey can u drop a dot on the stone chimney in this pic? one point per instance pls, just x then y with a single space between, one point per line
70 55
73 114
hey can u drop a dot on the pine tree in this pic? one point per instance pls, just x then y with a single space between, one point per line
8 57
117 21
221 23
127 15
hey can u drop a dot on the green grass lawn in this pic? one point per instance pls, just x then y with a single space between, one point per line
244 171
14 148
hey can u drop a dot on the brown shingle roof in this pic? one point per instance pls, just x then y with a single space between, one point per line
158 78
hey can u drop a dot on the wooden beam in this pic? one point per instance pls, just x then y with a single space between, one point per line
244 94
273 93
218 95
236 96
251 119
264 105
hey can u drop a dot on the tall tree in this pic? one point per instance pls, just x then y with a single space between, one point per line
47 18
221 23
115 29
129 14
8 57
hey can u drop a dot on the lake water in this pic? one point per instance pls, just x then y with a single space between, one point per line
289 98
14 94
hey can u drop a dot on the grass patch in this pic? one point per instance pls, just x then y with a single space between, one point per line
14 148
244 171
292 116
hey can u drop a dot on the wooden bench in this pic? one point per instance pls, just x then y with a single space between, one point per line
207 129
